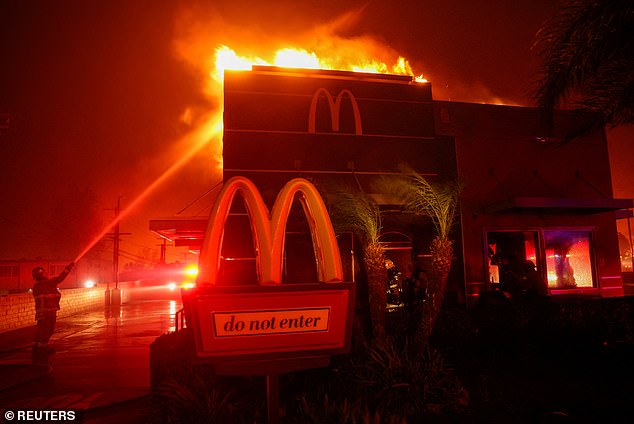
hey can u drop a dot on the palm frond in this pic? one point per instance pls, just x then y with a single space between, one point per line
353 211
438 201
588 57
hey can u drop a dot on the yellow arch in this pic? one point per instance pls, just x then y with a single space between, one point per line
210 254
335 110
269 231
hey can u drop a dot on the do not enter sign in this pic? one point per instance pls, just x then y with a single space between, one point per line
285 321
273 319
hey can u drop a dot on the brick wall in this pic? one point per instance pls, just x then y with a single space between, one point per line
18 310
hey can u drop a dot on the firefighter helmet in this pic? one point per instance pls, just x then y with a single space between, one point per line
38 273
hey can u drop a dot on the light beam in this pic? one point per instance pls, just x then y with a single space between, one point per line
214 129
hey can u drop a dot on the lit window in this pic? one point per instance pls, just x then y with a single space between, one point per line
625 245
513 264
568 259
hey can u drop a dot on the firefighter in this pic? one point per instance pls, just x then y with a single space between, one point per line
46 305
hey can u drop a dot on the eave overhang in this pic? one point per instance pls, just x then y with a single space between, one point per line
188 231
561 205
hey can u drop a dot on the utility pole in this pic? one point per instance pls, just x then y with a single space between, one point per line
163 256
115 295
115 250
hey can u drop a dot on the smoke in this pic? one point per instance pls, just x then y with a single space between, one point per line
200 29
200 32
456 89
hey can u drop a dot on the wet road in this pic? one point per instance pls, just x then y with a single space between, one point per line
101 359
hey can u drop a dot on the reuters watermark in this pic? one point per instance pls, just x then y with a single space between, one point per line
45 416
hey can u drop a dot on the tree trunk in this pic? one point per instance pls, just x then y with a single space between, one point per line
442 258
377 283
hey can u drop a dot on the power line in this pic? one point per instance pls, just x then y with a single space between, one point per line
198 198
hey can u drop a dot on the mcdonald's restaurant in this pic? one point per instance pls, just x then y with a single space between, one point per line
532 205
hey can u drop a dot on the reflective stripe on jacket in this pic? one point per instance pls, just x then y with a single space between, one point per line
46 296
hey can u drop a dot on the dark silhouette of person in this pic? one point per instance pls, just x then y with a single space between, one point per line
532 283
563 269
510 274
47 299
419 284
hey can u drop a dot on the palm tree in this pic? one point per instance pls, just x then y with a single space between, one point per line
440 203
353 211
588 54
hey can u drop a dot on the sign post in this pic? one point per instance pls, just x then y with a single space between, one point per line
273 397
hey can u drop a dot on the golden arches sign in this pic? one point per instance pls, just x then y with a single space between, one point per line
335 110
269 231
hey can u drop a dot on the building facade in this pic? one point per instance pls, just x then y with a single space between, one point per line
535 208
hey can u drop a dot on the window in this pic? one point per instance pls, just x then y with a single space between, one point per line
513 260
624 228
9 271
568 259
625 251
540 259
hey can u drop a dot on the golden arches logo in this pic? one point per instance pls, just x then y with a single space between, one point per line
335 110
269 231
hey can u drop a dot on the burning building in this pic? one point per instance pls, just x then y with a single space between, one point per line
533 204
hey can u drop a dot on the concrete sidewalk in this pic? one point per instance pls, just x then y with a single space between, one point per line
101 363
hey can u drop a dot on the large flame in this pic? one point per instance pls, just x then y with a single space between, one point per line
345 59
240 47
288 57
